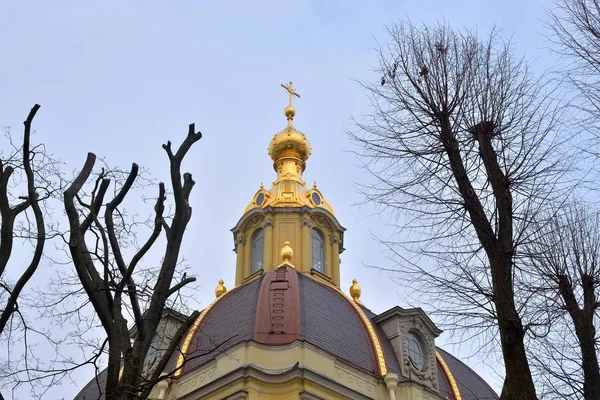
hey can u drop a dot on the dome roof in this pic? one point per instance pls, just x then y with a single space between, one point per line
319 314
289 143
313 312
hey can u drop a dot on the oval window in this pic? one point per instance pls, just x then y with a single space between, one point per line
260 199
415 350
316 199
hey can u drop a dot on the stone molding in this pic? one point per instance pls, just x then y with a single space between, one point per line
268 222
342 379
306 222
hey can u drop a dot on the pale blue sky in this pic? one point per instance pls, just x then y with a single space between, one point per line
119 78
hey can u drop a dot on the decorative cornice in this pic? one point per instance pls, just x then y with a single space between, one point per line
408 313
308 396
241 395
246 372
286 210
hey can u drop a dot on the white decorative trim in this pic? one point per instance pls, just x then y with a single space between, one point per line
355 382
198 380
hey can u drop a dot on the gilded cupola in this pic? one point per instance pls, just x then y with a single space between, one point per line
288 212
289 149
290 143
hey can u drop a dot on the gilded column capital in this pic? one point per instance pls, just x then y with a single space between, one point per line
268 222
306 222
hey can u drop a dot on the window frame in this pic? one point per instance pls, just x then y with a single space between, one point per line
418 340
257 236
323 258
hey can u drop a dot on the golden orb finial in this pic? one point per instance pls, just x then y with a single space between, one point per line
290 143
290 111
355 290
220 289
286 252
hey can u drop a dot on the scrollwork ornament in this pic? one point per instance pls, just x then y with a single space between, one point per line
255 220
305 222
240 240
268 222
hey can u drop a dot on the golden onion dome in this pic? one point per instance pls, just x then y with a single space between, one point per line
289 142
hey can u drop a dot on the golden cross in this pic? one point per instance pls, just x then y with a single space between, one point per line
290 91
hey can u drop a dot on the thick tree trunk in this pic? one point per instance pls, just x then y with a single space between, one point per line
499 247
112 373
518 383
583 320
591 373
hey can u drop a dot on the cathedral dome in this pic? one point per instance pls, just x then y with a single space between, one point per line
283 308
286 330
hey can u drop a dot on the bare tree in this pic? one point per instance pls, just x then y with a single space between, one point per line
461 145
575 34
565 267
108 277
9 215
27 168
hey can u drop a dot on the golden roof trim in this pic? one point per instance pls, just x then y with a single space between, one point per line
451 380
190 335
367 323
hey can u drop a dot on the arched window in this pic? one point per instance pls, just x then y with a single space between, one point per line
256 250
318 250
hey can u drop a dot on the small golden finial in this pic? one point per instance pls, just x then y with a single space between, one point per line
355 290
290 111
286 253
262 186
220 290
315 185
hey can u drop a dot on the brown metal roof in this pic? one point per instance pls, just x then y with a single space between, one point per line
278 310
326 320
470 385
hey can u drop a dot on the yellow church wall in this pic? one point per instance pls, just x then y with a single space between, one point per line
287 228
291 227
277 360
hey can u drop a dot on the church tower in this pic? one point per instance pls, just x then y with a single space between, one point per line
287 330
290 215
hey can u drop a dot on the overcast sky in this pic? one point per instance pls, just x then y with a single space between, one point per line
119 78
